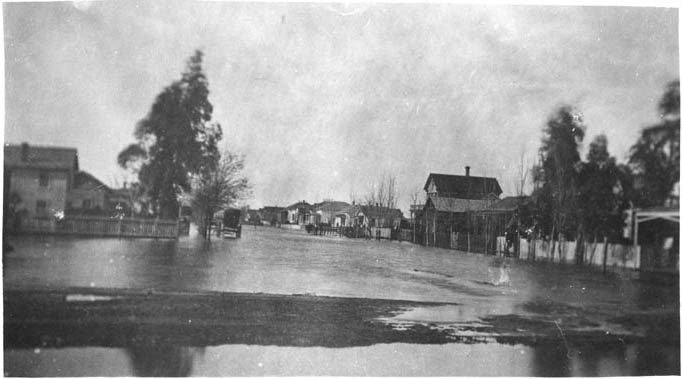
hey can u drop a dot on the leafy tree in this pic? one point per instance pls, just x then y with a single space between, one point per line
655 157
217 189
175 141
600 196
556 175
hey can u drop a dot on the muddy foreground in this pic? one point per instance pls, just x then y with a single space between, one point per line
79 317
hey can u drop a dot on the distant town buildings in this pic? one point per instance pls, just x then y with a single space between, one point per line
325 212
300 213
369 216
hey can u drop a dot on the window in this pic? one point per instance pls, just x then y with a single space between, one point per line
41 207
43 179
87 203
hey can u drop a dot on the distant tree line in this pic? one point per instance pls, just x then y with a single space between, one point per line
585 200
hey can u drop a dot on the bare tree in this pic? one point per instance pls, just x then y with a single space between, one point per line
217 189
384 193
522 173
414 201
353 197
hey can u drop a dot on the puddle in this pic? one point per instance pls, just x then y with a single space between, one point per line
88 298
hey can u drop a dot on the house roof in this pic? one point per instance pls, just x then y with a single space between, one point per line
273 209
81 178
385 212
371 211
659 212
456 205
509 203
463 186
43 157
300 205
331 206
350 210
120 195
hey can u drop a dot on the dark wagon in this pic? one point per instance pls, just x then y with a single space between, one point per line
232 226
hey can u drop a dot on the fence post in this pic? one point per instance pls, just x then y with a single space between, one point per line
177 223
606 243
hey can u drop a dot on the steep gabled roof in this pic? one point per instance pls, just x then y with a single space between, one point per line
83 179
41 157
456 205
463 187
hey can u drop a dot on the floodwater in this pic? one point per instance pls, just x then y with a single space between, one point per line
377 360
270 260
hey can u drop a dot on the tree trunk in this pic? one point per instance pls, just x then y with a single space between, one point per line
606 246
594 248
553 242
579 246
517 241
209 219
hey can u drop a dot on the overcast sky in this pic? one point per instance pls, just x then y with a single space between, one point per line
324 98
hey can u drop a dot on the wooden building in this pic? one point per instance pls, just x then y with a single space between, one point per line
300 213
449 201
37 179
274 216
366 216
88 196
327 210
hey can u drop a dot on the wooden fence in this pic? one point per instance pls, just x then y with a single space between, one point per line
103 227
615 255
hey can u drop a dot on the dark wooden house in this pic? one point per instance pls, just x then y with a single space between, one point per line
450 199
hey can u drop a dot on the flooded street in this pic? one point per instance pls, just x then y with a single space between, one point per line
374 308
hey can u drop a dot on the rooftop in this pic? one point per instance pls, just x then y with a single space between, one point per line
463 186
43 157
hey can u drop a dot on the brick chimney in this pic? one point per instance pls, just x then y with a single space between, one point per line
467 168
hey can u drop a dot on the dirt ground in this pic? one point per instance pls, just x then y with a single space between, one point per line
119 318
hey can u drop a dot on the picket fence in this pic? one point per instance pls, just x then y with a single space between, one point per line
102 227
625 256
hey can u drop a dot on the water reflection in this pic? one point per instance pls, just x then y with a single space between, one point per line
657 360
171 265
491 359
551 360
559 359
151 359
